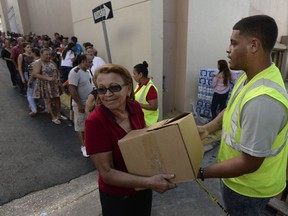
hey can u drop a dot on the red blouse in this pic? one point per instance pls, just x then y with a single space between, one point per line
102 134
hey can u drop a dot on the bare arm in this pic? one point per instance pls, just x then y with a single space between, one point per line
74 94
20 61
234 167
90 103
152 105
104 163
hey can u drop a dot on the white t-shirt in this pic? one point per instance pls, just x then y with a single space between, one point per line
97 62
67 62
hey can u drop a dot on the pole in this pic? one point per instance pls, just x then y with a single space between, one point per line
106 41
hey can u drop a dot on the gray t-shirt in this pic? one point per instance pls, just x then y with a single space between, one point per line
82 80
262 118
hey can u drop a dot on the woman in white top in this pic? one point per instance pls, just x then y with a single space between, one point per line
67 59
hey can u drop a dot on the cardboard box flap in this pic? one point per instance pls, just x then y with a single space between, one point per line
167 122
157 125
178 117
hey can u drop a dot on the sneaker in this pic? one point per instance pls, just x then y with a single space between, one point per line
63 117
83 150
56 121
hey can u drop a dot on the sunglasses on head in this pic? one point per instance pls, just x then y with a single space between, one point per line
112 89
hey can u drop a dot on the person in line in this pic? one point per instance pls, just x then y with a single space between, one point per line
117 114
146 93
97 61
78 50
6 55
67 59
24 60
56 41
221 86
252 158
31 83
15 52
48 85
80 86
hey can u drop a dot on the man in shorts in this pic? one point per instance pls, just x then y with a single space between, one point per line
80 86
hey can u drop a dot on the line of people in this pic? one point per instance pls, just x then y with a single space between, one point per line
43 68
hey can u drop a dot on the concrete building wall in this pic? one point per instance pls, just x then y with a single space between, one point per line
129 31
41 17
131 34
49 16
209 29
277 9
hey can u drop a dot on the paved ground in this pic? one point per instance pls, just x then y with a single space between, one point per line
35 153
80 197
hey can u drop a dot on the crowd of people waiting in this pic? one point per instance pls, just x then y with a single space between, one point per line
39 67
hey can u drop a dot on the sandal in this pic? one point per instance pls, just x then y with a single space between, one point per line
56 121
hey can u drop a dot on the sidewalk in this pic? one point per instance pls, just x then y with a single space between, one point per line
80 197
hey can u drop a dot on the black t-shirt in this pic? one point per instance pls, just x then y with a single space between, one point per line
6 54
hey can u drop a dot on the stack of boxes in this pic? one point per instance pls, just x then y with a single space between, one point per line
205 91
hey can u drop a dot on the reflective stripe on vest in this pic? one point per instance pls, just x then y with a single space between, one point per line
144 92
230 140
151 116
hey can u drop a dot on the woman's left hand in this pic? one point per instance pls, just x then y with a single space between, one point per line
161 182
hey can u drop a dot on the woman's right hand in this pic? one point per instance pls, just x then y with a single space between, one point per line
161 182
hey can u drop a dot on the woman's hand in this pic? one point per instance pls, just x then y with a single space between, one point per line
161 182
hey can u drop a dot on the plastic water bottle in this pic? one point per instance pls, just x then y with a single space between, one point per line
43 214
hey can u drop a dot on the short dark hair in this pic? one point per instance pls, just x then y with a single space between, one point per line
36 51
262 27
74 39
81 58
142 68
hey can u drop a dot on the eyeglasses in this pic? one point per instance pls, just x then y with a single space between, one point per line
112 89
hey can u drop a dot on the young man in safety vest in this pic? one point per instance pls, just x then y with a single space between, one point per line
253 153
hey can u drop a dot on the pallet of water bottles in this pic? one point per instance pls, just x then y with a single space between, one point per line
205 90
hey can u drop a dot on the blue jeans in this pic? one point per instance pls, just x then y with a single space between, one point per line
239 205
30 98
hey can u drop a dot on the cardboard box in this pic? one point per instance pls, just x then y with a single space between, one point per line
169 146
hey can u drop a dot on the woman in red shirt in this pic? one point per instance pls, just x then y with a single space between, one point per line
118 114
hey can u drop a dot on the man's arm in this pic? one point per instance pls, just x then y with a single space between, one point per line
234 167
74 94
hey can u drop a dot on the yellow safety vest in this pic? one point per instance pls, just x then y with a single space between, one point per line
151 116
270 179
